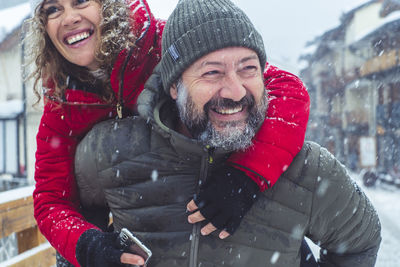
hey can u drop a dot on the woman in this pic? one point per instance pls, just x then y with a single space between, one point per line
93 58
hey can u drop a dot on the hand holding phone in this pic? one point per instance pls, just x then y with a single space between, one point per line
133 245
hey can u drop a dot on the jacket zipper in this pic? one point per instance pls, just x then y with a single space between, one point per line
195 238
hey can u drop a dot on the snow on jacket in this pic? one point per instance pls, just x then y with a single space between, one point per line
64 123
146 172
56 202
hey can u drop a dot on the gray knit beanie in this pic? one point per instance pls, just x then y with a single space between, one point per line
199 27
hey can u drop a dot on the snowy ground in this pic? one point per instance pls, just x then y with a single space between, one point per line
386 200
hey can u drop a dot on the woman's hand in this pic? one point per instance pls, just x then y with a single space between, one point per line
129 258
96 248
223 200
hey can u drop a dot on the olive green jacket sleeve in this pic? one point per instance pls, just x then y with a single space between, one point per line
343 222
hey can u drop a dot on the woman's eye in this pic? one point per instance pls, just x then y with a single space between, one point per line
81 1
51 11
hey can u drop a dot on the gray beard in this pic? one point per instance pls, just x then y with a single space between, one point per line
233 136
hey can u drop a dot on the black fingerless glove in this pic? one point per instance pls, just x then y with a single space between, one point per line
96 248
226 196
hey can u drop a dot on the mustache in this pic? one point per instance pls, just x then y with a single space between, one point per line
246 101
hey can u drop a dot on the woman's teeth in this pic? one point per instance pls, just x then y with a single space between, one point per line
77 38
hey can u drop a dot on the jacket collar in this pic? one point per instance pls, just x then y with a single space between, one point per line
164 119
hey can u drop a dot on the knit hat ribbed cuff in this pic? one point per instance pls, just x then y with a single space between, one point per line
199 27
210 36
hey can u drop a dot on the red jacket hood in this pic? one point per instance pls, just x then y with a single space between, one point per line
144 25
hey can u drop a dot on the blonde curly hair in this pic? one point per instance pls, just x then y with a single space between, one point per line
116 35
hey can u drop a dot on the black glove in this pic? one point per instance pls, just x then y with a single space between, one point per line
96 248
226 196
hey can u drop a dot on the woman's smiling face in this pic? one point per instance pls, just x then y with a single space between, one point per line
73 27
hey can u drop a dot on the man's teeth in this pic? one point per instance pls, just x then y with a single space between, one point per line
78 37
229 111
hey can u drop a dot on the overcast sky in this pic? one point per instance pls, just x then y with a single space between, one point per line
286 25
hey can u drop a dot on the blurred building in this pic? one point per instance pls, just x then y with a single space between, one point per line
10 3
354 83
18 119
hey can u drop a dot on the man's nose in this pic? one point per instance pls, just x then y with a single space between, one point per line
71 16
233 87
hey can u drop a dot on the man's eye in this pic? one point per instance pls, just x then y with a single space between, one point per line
250 68
210 73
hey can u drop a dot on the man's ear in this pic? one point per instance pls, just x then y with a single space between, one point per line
173 91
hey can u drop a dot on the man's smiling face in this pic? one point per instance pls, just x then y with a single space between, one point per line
221 97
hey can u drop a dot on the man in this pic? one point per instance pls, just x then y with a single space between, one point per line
211 101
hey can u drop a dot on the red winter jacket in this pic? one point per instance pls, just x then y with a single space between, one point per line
64 123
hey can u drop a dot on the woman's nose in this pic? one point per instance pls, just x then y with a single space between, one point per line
71 16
